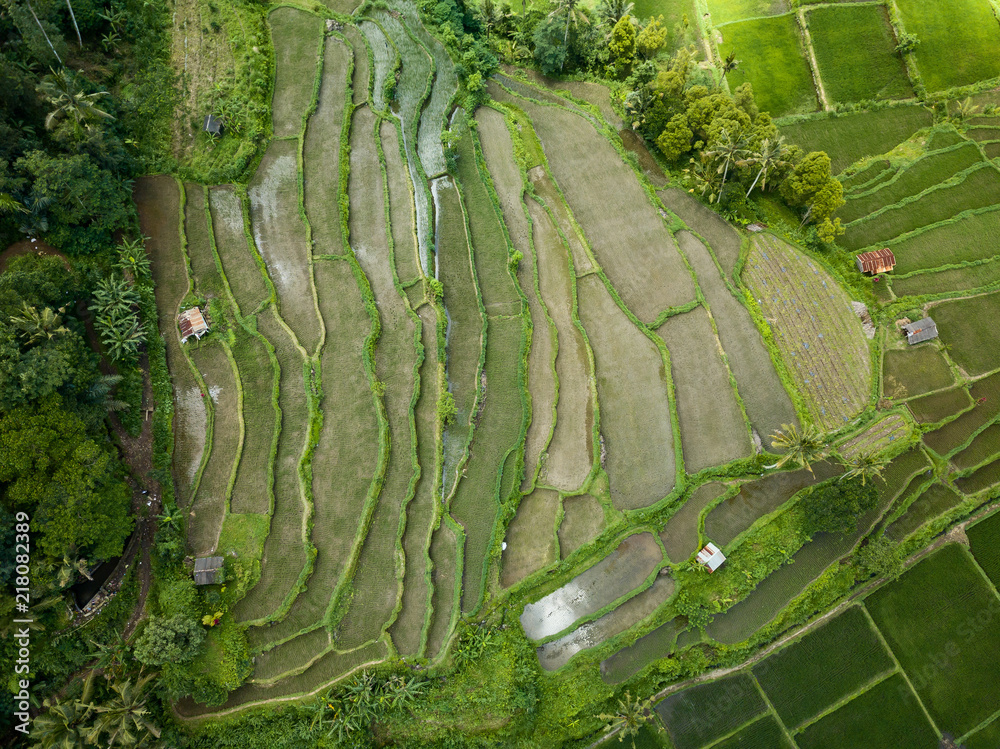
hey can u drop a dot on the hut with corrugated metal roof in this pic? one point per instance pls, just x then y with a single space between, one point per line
711 557
920 331
209 570
876 261
192 323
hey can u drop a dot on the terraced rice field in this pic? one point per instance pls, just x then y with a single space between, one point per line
815 329
849 137
519 379
713 428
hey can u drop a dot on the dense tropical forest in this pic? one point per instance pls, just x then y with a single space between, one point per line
514 312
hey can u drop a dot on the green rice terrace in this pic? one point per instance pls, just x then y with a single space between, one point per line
506 383
538 375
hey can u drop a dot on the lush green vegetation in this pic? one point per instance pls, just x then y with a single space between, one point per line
470 366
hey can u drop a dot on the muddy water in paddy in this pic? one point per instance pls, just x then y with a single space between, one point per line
621 571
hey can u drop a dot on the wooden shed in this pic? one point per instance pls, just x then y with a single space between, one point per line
876 261
209 570
192 323
920 331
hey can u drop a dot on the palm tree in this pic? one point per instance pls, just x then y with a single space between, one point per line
965 109
491 15
574 15
36 326
865 465
72 15
771 156
702 178
10 204
801 448
125 719
102 393
632 714
65 725
35 221
610 12
64 94
728 150
729 64
42 29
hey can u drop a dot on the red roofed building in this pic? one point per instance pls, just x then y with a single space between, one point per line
876 261
192 323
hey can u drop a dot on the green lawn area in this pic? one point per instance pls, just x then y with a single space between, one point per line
846 651
770 54
887 716
959 41
942 621
855 50
850 137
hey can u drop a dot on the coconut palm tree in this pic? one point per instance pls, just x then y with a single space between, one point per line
66 725
610 12
771 156
865 465
42 29
572 9
61 88
79 39
125 720
10 204
702 178
102 393
630 716
35 326
801 447
34 220
491 15
729 149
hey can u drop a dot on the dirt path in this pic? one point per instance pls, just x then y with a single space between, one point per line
956 534
27 247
